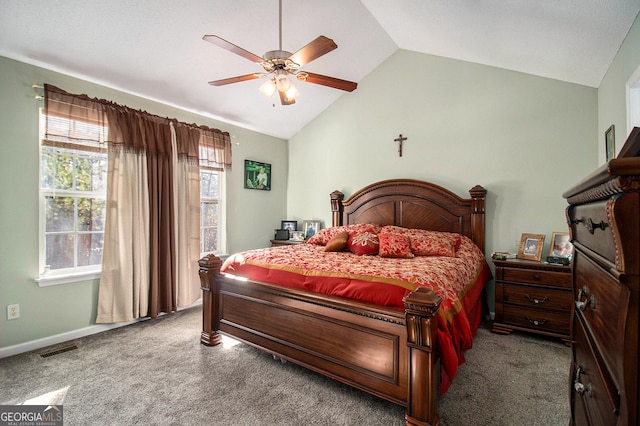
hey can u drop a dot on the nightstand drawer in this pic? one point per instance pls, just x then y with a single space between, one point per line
533 276
537 319
537 297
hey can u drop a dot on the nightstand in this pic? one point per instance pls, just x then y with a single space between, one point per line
276 243
533 296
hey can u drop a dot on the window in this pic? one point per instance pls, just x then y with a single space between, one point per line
210 211
73 178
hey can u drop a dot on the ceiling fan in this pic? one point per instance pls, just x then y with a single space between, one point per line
280 64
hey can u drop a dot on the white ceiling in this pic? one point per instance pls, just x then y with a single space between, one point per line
154 48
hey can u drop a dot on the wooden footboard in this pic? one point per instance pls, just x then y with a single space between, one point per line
387 352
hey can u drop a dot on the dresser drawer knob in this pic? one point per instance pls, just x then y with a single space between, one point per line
580 388
590 224
583 297
536 301
536 322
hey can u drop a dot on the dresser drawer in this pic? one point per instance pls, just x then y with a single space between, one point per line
533 276
537 319
537 297
598 397
604 309
588 231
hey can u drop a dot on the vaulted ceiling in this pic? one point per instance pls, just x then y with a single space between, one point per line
154 48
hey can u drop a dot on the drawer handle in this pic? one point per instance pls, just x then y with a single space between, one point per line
580 388
536 322
536 301
583 295
590 224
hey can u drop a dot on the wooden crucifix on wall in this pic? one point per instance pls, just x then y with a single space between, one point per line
400 140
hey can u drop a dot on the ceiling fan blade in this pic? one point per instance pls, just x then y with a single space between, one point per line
236 79
318 47
220 42
324 80
284 100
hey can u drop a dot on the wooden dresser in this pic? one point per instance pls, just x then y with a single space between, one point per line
604 219
534 297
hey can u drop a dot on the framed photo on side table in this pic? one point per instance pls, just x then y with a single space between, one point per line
310 228
560 245
290 225
297 236
531 247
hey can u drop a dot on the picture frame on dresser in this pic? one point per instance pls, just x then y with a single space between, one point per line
290 225
560 245
310 228
297 236
610 142
531 247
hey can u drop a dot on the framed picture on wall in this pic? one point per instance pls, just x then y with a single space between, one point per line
531 247
610 142
257 175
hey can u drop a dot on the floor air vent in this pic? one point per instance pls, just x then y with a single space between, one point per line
58 351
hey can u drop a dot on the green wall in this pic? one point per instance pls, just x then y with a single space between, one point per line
526 139
612 93
67 308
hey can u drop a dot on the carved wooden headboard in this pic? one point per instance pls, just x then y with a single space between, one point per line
413 204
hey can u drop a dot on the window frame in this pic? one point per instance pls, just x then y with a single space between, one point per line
48 277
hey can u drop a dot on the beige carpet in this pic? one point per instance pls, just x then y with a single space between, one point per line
157 373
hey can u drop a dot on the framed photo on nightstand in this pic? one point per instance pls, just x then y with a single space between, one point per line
310 228
531 247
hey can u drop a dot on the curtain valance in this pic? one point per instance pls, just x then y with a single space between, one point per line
113 125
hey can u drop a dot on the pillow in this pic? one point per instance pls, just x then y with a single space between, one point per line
338 242
363 243
323 236
394 242
433 243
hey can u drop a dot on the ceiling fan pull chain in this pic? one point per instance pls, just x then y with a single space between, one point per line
280 26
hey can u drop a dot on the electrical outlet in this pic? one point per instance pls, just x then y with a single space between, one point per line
13 311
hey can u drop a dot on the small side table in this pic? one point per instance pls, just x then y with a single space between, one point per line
276 243
533 296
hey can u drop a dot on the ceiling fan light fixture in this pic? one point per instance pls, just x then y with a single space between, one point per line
282 81
268 87
291 94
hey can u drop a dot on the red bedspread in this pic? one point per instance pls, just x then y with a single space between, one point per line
457 280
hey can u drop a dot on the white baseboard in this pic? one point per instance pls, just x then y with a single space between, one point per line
69 335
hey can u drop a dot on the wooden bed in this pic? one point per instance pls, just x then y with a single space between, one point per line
388 352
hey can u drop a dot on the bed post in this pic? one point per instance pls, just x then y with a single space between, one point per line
336 208
209 269
478 194
421 306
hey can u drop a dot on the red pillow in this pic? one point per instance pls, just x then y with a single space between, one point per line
394 243
362 243
433 243
323 236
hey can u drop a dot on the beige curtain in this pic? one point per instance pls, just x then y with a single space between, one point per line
124 281
152 223
187 211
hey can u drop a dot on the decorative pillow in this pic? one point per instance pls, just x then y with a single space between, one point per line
433 243
325 235
338 242
362 243
394 242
